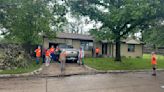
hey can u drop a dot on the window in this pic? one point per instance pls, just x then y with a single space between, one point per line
131 48
86 45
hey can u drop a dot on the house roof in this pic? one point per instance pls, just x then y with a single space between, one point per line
74 36
132 41
62 35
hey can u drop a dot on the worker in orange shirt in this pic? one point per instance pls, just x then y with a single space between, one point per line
97 51
38 54
48 56
154 63
52 51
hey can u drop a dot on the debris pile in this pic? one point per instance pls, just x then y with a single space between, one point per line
12 56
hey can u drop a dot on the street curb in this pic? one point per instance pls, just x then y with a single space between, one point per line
119 71
93 71
68 75
35 72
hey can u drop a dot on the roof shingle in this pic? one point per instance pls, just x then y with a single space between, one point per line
74 36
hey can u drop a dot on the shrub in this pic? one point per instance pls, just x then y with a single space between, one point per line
13 56
138 57
123 56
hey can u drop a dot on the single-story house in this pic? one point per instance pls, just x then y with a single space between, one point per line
129 47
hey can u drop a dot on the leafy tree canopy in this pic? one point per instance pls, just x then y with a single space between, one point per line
119 17
26 21
154 35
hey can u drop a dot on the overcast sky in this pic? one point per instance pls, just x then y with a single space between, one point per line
86 26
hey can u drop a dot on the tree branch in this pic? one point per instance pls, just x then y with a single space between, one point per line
139 22
125 25
98 2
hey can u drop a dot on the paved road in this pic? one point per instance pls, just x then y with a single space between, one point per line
125 82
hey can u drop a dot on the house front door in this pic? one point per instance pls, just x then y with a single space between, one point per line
104 48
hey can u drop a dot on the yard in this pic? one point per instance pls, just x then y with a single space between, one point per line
126 64
30 68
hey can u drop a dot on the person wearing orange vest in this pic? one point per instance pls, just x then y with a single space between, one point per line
97 51
52 51
154 63
48 56
38 54
62 59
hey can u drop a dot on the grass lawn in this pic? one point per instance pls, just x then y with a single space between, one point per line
126 64
31 68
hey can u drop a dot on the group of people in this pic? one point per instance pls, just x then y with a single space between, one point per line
56 55
49 55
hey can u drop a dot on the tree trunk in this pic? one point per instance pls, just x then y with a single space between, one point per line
118 52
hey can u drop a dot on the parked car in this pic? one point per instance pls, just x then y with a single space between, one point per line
72 54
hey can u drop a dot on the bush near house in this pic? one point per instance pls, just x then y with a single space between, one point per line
127 64
14 59
13 56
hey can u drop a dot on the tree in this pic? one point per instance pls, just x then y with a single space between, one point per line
77 25
119 17
59 11
154 35
26 21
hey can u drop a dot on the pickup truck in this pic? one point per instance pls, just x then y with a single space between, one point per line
72 54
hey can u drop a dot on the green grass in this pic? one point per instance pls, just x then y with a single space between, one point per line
30 68
126 64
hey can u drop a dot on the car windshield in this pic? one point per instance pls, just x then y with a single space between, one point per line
65 46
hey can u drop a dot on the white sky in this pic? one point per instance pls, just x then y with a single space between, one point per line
1 30
86 27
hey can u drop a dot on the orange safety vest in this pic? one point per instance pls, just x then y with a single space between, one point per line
48 53
153 60
38 52
52 50
97 50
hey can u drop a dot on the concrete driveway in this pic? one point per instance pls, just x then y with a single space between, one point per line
70 69
125 82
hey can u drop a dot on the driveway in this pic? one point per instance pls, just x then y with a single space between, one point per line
70 69
124 82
